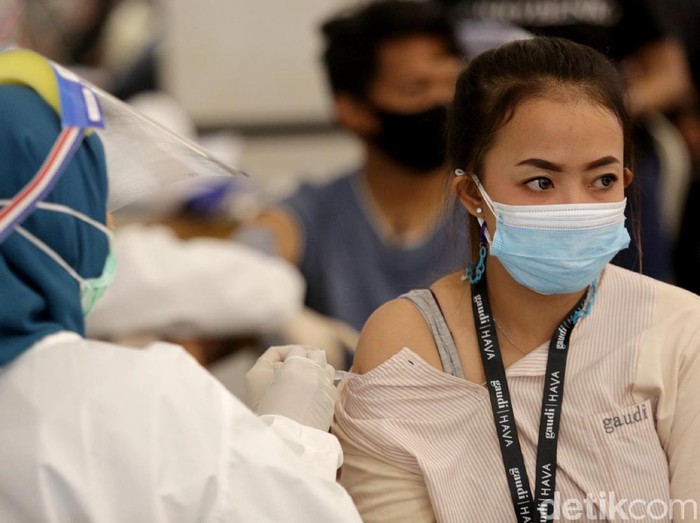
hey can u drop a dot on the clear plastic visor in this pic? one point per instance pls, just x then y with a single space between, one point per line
142 156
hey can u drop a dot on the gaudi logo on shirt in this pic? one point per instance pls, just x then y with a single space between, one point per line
635 416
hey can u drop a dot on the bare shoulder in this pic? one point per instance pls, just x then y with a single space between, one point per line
453 295
393 326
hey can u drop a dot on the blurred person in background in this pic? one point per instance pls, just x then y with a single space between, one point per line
687 250
653 62
683 19
95 431
112 43
379 230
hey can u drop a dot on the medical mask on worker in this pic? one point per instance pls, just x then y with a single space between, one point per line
415 140
91 289
556 249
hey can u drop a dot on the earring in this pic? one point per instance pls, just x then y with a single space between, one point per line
459 172
475 271
479 210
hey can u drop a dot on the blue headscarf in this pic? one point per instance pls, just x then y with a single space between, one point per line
37 296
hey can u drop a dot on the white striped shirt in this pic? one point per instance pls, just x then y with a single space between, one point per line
421 444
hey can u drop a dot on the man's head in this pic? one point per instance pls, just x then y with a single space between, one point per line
392 66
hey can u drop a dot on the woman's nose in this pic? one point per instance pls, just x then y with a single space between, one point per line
574 193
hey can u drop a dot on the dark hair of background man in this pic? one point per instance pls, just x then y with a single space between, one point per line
353 39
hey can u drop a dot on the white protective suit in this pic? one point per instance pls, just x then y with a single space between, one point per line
92 431
200 287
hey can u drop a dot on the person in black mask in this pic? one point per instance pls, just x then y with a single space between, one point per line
378 231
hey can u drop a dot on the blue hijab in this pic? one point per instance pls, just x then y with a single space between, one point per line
37 296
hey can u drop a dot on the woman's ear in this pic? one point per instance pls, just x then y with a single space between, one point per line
468 195
627 177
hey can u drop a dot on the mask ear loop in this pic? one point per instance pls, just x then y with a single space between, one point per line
50 253
484 195
475 271
64 209
48 250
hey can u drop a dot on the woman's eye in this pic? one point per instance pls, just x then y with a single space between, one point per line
605 181
539 184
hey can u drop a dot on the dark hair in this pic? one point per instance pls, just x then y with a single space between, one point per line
353 39
490 89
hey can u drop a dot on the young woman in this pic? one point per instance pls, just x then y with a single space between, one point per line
541 382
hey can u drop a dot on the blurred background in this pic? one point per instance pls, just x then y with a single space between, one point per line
244 79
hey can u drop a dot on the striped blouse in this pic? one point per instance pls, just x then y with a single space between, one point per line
420 444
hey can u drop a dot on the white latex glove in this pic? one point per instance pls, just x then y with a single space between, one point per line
260 376
296 382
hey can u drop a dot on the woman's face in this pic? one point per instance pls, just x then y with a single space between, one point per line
555 152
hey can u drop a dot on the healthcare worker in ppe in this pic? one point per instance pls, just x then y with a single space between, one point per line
98 432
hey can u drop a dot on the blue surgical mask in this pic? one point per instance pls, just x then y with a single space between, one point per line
91 289
556 249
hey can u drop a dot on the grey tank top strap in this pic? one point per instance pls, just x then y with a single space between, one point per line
424 300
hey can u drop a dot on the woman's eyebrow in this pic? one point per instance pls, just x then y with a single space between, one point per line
550 166
601 162
542 164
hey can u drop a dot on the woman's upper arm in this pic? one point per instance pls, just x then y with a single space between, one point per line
382 491
393 326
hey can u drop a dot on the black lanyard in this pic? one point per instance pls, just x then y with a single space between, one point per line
525 508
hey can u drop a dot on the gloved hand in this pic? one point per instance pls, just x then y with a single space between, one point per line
293 381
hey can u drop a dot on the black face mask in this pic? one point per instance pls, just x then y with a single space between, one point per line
415 140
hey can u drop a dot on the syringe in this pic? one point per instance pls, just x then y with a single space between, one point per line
341 375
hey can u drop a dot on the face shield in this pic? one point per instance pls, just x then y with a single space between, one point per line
142 156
